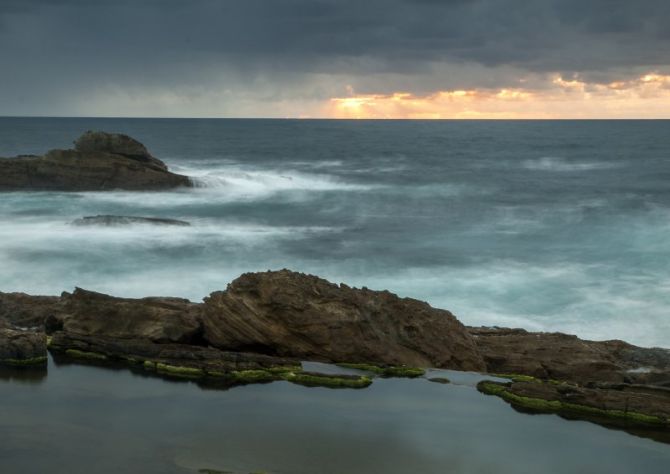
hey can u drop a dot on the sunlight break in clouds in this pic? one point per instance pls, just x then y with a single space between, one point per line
647 96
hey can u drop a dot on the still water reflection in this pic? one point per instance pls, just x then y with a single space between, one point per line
87 419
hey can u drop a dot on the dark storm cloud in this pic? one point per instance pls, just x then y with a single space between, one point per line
52 44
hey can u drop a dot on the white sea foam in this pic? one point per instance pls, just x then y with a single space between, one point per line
251 182
60 234
233 184
590 301
551 163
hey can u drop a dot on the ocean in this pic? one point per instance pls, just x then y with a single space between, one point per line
546 225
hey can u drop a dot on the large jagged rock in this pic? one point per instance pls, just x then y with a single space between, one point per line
100 162
22 348
292 314
566 357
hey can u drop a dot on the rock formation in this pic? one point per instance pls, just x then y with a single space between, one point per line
25 311
22 348
280 314
296 315
566 357
100 162
264 323
113 221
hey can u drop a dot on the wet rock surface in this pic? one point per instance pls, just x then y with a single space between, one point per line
100 161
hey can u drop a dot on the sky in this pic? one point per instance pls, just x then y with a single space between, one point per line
461 59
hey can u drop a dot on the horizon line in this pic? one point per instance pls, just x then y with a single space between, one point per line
377 119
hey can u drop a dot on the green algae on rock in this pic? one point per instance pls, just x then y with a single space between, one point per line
311 379
386 371
293 374
560 406
76 353
22 348
35 361
253 376
517 377
179 371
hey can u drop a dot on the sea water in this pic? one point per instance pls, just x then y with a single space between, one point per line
545 225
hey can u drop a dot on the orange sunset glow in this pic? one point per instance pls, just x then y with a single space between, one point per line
647 96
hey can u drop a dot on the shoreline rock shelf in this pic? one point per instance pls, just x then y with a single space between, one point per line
100 161
261 327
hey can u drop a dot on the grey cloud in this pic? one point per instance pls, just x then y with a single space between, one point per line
54 48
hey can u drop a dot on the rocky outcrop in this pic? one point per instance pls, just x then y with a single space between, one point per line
191 359
25 311
279 314
641 409
264 323
22 348
114 221
154 320
296 315
565 357
117 144
100 162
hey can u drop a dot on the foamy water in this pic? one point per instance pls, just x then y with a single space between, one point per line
549 226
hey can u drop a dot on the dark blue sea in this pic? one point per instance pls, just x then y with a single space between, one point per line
546 225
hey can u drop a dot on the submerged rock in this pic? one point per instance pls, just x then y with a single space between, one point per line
107 220
100 162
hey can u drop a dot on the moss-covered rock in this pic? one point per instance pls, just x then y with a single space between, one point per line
77 354
507 393
517 377
32 362
310 379
179 371
22 348
386 371
253 376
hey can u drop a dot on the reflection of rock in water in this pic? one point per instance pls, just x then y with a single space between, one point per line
106 220
26 375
